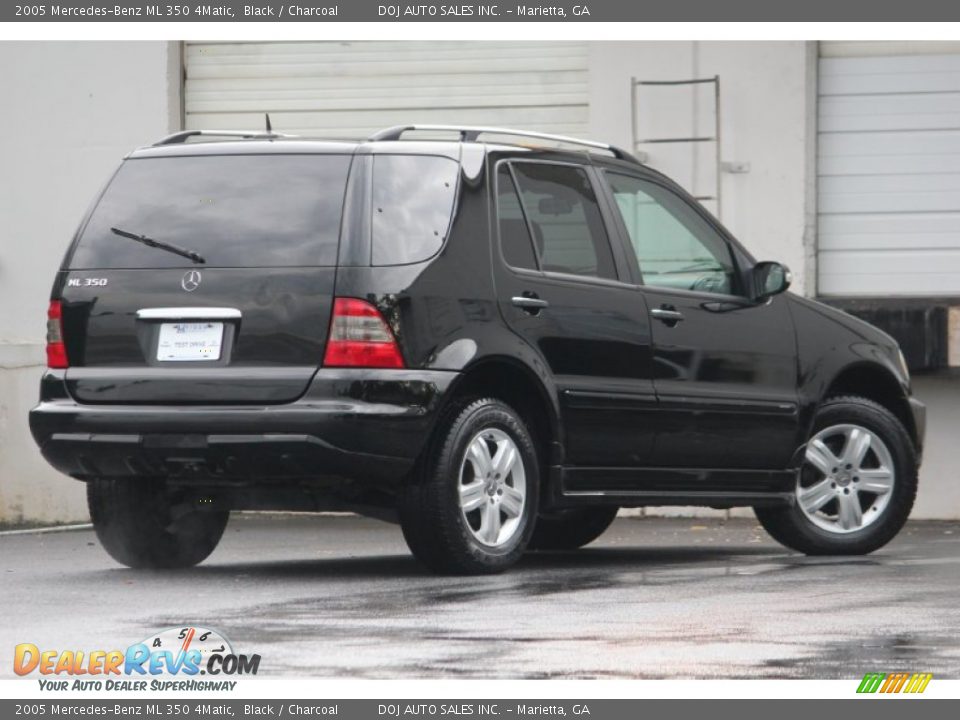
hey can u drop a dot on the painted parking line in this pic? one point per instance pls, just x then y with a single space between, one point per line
45 530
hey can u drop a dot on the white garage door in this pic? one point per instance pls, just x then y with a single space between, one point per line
889 174
351 89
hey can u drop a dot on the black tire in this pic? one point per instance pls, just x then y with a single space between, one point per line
791 527
437 532
571 529
140 527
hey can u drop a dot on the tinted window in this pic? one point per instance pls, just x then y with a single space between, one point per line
236 211
567 227
412 203
675 246
514 234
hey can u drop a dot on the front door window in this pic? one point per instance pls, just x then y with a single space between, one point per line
675 247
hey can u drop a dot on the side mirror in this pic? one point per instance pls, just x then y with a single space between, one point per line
769 279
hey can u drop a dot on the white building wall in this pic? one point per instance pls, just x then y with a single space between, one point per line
71 111
766 111
939 493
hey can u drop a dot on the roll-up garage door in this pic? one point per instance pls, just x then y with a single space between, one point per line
889 172
350 89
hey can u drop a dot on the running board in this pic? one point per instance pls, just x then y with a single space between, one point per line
718 501
638 487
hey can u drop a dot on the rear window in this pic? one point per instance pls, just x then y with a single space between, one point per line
413 199
235 211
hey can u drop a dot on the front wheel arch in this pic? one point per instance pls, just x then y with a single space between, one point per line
874 382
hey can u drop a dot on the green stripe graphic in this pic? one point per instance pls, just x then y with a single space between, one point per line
871 682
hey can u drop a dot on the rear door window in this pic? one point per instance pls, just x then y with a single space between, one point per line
413 198
234 210
564 219
515 240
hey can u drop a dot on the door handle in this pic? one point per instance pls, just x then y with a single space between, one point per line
529 303
667 314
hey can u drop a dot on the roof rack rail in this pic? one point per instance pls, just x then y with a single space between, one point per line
470 134
181 137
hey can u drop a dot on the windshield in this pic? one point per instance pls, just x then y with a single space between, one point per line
233 210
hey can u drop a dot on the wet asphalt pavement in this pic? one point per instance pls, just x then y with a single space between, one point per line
653 598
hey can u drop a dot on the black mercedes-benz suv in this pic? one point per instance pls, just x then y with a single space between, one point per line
496 342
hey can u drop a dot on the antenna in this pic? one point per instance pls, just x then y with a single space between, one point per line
269 128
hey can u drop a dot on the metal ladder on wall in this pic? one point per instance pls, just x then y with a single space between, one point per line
644 155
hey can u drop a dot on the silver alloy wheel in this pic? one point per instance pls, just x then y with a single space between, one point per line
847 480
492 487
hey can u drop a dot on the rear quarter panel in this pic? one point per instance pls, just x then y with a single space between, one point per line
444 311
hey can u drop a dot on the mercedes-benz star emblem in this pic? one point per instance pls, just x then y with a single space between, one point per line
191 280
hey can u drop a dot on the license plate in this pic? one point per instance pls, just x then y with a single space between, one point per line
190 341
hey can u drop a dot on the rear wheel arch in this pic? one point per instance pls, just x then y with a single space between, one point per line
519 386
873 382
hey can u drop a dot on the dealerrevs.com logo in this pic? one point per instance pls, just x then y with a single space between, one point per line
152 664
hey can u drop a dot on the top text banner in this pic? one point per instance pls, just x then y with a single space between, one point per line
560 11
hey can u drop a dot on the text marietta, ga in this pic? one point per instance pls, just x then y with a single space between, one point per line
398 11
483 709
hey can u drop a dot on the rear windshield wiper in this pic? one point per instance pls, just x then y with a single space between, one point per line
169 247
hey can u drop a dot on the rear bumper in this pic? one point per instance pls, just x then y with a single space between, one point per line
362 425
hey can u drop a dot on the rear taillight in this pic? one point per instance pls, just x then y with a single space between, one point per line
360 337
56 350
